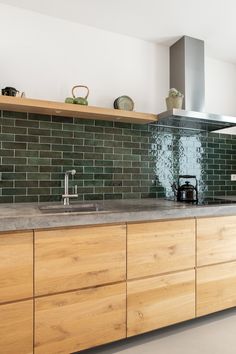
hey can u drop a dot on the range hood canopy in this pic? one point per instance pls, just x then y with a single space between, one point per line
187 74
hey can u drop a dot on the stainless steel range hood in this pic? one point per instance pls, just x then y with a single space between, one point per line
187 74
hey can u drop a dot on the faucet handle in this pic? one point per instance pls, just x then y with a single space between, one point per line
76 189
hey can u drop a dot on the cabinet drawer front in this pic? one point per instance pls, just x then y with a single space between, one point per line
216 240
216 288
160 247
70 259
16 328
69 322
16 266
160 301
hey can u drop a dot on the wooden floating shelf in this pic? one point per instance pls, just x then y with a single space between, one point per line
72 110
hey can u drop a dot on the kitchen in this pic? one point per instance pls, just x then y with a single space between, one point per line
123 180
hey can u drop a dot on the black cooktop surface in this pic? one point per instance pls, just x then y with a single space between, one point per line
212 201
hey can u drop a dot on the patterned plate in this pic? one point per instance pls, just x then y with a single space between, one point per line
124 102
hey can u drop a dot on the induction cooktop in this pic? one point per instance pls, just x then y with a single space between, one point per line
213 201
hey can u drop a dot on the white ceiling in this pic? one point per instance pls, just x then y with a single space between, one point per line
161 21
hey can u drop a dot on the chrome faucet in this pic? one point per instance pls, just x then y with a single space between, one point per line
66 196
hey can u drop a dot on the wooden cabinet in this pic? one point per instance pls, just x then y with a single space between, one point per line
82 297
69 259
160 301
73 321
16 266
216 240
160 247
216 288
16 328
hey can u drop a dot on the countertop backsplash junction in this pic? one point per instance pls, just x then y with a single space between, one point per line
113 160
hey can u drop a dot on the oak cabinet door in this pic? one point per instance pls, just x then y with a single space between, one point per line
160 247
70 259
216 240
216 288
66 323
16 266
16 328
160 301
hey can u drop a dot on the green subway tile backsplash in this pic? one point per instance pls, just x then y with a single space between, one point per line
113 160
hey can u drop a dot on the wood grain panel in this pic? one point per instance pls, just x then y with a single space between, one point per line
66 323
160 247
216 240
16 266
16 328
69 259
160 301
216 288
73 110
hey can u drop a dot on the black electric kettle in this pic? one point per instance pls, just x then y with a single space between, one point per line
186 192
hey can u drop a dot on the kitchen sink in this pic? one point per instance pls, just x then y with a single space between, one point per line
72 208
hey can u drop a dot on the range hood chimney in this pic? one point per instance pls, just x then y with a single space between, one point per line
187 72
187 75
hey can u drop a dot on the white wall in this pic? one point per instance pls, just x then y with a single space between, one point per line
220 87
45 57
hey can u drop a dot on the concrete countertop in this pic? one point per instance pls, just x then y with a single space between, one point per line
28 216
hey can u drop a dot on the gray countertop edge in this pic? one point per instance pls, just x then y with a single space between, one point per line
45 221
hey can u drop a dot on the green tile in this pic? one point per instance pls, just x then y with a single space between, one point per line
39 146
26 153
103 176
50 125
14 191
62 133
93 196
90 183
26 199
34 131
27 138
6 168
26 168
26 123
7 122
50 169
104 162
40 117
38 176
93 156
38 191
50 154
38 161
6 199
93 169
14 130
61 119
15 146
19 115
26 184
103 123
62 147
61 162
13 176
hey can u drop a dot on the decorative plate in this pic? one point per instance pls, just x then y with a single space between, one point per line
125 103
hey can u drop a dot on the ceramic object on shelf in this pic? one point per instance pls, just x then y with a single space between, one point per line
9 91
124 102
174 102
78 100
